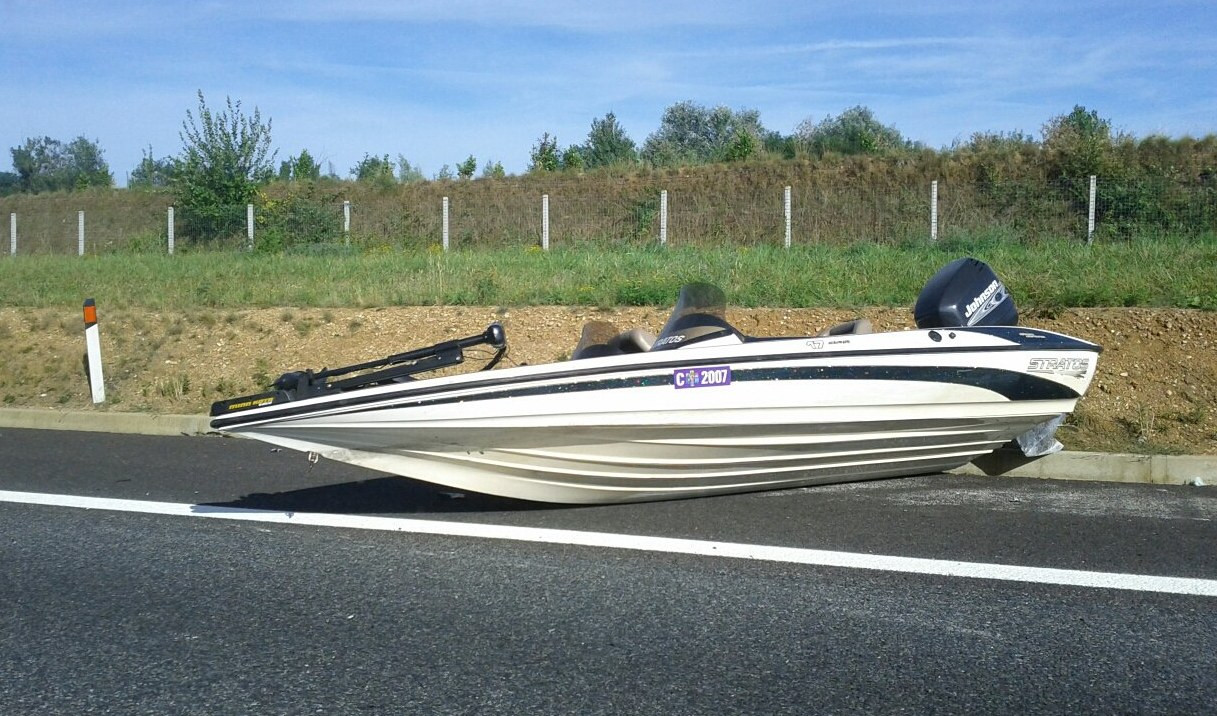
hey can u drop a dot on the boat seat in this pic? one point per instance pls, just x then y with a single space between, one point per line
601 338
848 328
636 340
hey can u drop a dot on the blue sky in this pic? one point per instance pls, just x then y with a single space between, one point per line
439 80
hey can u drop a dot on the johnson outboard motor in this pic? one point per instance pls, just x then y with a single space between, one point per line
965 292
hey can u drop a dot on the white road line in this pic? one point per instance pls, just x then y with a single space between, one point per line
670 545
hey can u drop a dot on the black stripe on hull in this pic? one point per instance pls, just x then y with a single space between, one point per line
1012 385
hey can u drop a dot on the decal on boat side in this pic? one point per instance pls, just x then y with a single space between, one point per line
707 377
983 305
1075 367
250 403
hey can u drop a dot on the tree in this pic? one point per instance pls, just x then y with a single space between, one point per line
607 144
10 183
407 172
572 158
781 145
465 169
544 155
300 168
493 170
998 142
373 170
692 134
996 159
87 165
226 157
39 164
742 146
151 173
854 131
46 164
1077 144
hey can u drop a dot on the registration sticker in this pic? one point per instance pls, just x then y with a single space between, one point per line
702 377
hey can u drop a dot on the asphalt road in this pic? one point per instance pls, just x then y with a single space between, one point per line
112 612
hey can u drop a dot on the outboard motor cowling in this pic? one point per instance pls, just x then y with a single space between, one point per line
965 292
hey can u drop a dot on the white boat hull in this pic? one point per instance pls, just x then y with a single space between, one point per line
789 413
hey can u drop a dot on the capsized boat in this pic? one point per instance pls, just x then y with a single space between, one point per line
700 409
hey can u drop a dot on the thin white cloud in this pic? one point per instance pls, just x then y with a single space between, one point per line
587 17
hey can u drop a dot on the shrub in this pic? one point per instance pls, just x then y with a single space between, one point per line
303 218
227 156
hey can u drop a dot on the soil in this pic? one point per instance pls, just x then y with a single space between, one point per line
1155 391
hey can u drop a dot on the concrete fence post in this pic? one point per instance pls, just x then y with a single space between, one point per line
663 217
934 210
786 213
249 225
12 234
346 221
444 225
169 228
80 233
1090 211
545 222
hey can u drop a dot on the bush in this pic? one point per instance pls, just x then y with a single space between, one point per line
377 171
227 157
544 155
303 217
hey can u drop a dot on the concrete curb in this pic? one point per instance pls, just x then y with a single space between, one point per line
1104 467
85 421
1196 470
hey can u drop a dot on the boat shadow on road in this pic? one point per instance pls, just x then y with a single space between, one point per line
384 495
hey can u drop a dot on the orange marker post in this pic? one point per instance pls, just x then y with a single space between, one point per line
93 348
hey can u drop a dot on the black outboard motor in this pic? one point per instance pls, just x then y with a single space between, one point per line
965 292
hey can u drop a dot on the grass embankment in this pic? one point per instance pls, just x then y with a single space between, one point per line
1165 273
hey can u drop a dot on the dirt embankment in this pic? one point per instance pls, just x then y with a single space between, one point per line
1156 389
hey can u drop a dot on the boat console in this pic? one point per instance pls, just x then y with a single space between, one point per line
700 314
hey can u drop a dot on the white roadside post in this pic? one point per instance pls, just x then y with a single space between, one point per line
169 228
93 349
934 210
12 234
80 233
786 213
663 217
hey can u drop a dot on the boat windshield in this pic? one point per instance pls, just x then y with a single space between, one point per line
700 314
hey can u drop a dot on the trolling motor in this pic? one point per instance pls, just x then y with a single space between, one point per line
397 368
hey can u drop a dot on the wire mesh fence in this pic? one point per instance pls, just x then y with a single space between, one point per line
468 215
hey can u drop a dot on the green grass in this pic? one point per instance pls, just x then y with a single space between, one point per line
1172 273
